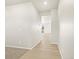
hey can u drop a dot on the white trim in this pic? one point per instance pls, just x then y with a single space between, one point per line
18 47
24 47
60 51
36 44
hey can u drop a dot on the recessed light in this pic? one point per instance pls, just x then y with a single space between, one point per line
45 2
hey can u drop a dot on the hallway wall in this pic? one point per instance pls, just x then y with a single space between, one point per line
54 27
22 26
66 17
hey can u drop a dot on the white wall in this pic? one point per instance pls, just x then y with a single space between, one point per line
22 26
54 27
66 17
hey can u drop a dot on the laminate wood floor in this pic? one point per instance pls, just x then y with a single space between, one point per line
43 51
14 53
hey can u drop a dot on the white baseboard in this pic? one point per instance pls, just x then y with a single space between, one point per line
18 47
36 44
24 47
60 51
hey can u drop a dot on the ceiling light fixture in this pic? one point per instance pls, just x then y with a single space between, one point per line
45 2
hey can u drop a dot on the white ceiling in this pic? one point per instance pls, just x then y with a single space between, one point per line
46 5
41 5
12 2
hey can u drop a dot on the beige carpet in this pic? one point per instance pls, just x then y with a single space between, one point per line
14 53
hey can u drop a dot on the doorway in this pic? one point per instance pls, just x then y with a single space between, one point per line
46 29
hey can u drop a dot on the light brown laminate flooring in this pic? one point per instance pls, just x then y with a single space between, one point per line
43 50
14 53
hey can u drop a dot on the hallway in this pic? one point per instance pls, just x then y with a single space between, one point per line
39 29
